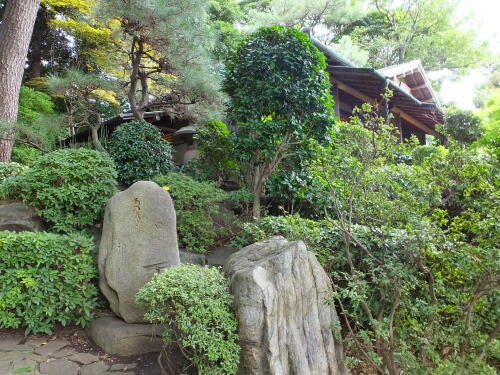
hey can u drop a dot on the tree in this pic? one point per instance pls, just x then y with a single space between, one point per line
462 125
15 34
417 283
302 14
398 31
88 98
168 46
279 97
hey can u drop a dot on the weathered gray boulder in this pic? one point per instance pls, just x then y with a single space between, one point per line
115 336
18 217
139 239
279 291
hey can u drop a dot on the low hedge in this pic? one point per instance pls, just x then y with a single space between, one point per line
46 278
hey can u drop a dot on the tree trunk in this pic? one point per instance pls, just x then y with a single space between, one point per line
39 37
95 138
15 35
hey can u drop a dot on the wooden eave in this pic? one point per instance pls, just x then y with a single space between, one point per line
366 85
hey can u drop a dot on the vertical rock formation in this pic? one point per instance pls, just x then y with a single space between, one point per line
139 239
285 324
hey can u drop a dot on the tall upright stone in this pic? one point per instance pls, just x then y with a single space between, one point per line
139 239
285 323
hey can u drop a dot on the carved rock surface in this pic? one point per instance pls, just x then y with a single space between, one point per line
139 239
279 291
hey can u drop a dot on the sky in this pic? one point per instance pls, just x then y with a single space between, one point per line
485 18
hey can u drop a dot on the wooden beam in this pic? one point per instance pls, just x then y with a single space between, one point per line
365 98
336 100
415 122
352 91
418 87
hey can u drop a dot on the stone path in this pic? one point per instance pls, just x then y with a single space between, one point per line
38 356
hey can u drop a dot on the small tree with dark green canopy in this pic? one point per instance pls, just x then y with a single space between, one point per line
280 99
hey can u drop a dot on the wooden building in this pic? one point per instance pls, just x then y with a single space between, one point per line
414 105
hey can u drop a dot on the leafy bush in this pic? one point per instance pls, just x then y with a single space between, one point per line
46 278
319 236
462 125
69 188
420 153
25 155
216 150
139 151
10 169
33 104
196 303
196 204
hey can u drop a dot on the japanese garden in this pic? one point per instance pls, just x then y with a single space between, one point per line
249 187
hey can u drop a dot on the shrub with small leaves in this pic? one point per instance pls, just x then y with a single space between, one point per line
420 153
46 278
69 188
25 155
196 303
10 169
196 204
139 151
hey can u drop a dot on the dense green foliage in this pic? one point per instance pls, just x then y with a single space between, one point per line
139 151
25 155
217 154
412 249
195 304
196 204
45 279
69 188
10 169
33 104
420 153
463 126
168 49
279 97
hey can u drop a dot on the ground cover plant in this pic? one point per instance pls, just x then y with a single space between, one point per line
46 278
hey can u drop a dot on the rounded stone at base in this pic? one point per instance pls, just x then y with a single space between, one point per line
117 337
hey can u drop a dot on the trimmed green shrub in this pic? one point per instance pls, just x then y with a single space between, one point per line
139 151
46 278
196 204
10 169
195 302
25 155
69 188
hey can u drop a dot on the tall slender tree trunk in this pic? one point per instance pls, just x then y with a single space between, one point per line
15 35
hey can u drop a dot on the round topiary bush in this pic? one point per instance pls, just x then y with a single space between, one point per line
69 188
139 151
195 303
